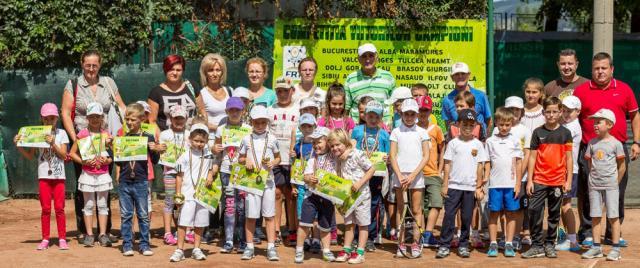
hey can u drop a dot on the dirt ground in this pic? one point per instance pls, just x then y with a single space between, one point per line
20 229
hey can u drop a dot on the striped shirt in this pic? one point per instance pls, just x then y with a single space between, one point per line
378 86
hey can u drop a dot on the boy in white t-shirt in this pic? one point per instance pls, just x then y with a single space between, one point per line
408 155
193 166
504 180
259 150
284 122
462 183
570 111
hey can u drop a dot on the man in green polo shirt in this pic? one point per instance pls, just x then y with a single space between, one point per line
368 81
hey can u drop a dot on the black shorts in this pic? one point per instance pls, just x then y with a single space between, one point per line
282 175
522 196
315 207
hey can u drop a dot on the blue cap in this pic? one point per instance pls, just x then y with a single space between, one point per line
466 114
374 107
308 119
235 103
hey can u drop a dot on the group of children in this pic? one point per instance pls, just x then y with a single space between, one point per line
508 177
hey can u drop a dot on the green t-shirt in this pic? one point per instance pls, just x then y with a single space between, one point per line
379 87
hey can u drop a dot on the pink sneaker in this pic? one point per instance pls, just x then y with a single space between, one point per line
63 244
43 245
190 238
476 242
455 243
334 237
169 239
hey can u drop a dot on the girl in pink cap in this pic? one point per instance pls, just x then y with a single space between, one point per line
51 174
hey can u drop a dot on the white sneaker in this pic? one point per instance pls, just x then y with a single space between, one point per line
128 253
178 255
198 254
147 252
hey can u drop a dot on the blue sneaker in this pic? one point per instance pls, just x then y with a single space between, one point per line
622 243
567 246
509 250
562 234
587 242
242 247
493 250
227 247
433 242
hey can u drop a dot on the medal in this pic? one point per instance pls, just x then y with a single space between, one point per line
132 175
265 160
50 172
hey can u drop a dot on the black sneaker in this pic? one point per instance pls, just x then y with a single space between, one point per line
550 251
88 241
104 240
534 252
370 246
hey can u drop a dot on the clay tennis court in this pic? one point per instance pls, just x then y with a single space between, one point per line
20 229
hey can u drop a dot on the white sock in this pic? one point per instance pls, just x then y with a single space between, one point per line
307 241
250 245
572 238
508 243
299 249
326 250
494 242
271 245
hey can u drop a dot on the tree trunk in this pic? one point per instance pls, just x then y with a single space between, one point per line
635 20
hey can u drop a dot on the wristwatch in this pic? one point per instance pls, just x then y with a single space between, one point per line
636 142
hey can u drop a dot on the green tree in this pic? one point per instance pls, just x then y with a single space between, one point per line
581 12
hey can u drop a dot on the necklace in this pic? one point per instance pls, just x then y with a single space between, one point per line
47 154
194 183
365 143
264 153
177 149
132 164
332 123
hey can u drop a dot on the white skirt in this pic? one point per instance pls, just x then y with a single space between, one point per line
94 182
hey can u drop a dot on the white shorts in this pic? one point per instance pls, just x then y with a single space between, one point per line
266 204
193 214
418 182
361 215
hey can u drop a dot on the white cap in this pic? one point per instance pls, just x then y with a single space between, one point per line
320 132
199 126
410 105
94 108
572 102
368 47
307 119
145 105
241 92
460 67
514 102
400 93
308 102
604 113
259 112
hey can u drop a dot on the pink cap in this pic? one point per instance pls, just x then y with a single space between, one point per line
49 109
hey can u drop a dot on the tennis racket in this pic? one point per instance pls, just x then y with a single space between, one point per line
410 232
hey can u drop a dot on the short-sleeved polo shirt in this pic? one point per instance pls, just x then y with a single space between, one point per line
482 107
379 87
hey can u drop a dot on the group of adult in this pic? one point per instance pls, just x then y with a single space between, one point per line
602 91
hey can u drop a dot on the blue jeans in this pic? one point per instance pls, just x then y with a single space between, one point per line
133 194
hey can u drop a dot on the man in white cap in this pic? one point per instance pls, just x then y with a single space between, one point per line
369 80
460 74
565 84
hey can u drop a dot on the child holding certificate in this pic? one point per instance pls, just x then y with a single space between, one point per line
353 165
51 175
227 144
373 140
314 207
133 188
192 167
95 181
259 151
173 143
408 155
303 151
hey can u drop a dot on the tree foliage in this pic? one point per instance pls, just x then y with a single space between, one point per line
581 13
54 33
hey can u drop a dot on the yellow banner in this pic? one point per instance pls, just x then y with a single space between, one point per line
417 56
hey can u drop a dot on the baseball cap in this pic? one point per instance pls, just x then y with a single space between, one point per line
425 103
235 103
48 109
400 93
320 132
241 92
307 119
145 105
178 111
94 108
514 102
368 47
604 113
284 82
259 112
308 102
466 114
460 67
572 102
410 105
374 107
199 126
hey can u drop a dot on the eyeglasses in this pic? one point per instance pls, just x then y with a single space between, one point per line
91 66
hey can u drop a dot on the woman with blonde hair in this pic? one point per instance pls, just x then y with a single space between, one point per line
214 94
